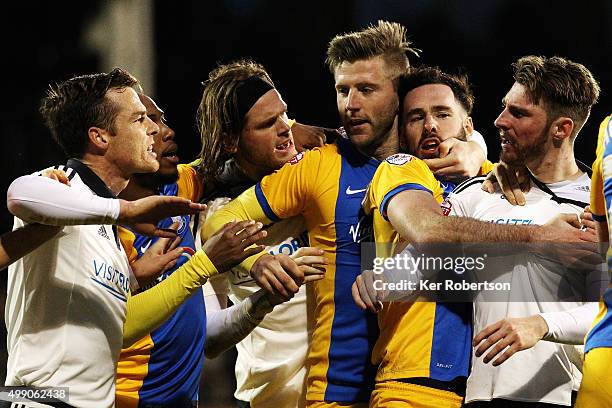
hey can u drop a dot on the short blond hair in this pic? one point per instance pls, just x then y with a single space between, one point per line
385 39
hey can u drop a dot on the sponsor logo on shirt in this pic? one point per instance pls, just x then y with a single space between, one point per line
349 191
446 207
290 245
512 221
111 279
399 159
363 231
102 232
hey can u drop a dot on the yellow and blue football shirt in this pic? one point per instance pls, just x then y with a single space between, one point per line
600 334
423 338
326 185
164 367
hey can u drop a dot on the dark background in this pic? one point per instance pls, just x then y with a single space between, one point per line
43 43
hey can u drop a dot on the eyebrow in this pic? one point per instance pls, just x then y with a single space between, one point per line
137 114
434 108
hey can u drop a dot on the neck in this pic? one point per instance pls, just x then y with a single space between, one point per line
389 147
136 190
110 174
250 170
558 164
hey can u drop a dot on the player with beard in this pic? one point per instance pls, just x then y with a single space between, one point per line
327 186
543 112
428 360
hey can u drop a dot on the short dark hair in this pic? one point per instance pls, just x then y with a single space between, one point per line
566 88
218 117
384 39
420 76
71 107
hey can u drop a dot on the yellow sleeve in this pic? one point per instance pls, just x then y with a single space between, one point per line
398 173
284 193
147 310
598 202
242 208
486 168
127 238
189 183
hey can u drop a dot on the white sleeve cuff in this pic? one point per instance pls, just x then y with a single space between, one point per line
570 326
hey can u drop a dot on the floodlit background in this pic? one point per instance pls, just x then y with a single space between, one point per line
171 47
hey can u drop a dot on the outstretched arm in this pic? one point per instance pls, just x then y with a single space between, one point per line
20 242
45 201
417 217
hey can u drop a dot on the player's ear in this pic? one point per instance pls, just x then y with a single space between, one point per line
562 128
98 137
468 125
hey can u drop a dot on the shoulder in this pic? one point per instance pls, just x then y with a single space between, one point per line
470 185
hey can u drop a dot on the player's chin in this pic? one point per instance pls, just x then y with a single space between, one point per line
148 165
286 154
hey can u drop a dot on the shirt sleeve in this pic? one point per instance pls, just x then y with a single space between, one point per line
486 168
598 203
477 137
47 201
570 326
399 173
189 183
148 309
242 208
286 192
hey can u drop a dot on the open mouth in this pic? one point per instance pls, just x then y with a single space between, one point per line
171 155
430 145
151 152
505 142
285 146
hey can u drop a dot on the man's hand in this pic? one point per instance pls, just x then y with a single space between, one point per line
571 245
57 175
511 335
230 245
364 294
566 228
312 263
307 137
457 159
512 182
278 274
159 258
143 215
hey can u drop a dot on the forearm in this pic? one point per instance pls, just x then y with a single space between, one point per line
42 200
227 327
570 326
243 208
147 310
20 242
437 228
